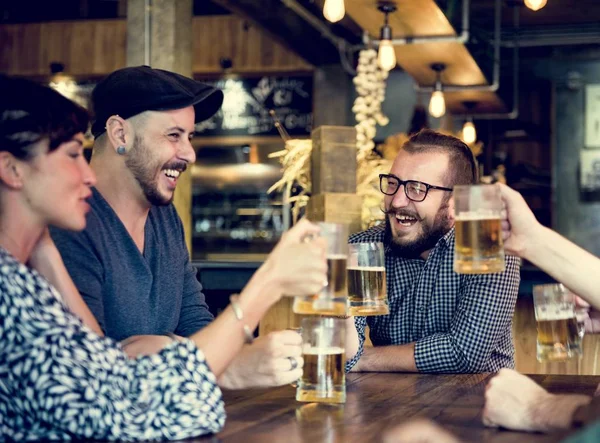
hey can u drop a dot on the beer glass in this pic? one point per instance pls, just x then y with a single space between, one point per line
333 298
558 335
478 248
367 288
323 349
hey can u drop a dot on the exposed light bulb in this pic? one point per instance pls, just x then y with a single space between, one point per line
535 5
437 104
334 10
469 134
386 57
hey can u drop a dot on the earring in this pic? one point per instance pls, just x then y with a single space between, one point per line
121 150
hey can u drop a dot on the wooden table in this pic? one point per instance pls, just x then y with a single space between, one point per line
375 402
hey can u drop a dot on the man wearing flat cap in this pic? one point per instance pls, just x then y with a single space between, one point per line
131 263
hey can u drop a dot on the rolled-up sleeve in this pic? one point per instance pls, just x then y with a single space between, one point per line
483 318
361 324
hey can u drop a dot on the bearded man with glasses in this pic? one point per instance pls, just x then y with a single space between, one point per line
439 321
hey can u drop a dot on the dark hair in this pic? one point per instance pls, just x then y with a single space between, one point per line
462 161
30 112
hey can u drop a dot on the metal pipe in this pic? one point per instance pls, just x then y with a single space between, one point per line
564 35
514 113
463 37
340 44
313 21
493 87
147 31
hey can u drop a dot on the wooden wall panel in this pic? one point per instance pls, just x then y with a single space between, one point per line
97 47
86 48
249 47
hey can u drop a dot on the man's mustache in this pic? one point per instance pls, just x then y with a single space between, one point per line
405 212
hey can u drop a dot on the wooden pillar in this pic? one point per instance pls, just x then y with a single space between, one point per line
159 34
334 199
332 96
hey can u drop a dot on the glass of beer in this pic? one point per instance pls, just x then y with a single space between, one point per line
558 336
367 288
333 298
478 248
323 349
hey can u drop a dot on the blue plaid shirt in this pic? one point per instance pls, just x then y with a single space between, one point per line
460 323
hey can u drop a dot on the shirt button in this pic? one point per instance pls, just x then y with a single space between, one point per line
422 308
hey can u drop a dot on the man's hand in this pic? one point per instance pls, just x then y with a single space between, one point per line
138 345
418 431
272 360
514 401
519 224
588 315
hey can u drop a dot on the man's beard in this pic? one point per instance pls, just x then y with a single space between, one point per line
425 242
137 162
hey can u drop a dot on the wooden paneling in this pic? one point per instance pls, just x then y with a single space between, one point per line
525 333
86 48
97 47
249 48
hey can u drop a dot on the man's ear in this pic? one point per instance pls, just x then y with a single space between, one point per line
116 130
11 171
451 209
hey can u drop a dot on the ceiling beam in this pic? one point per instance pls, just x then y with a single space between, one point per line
287 27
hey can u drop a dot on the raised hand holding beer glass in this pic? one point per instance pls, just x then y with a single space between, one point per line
478 249
558 336
332 299
367 288
323 350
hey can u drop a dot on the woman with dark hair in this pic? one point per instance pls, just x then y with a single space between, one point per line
59 378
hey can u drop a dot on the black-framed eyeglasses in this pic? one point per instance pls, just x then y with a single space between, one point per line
414 190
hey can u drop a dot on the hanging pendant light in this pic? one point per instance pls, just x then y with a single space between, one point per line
469 133
535 5
386 57
334 10
437 104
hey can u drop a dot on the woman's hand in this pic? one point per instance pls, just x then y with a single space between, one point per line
299 267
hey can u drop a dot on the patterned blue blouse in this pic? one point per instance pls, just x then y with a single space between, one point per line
61 381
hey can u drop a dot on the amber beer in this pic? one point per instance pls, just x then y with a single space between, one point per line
367 291
333 299
558 336
478 244
323 378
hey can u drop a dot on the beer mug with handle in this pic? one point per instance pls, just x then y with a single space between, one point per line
367 288
478 248
333 298
324 353
558 336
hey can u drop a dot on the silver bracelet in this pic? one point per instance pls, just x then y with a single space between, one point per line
239 314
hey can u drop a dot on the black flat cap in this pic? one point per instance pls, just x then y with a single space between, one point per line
131 91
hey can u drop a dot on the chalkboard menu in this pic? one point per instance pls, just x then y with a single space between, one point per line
247 103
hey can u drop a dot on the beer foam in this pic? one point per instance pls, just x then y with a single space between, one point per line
366 268
337 256
479 215
561 314
329 350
